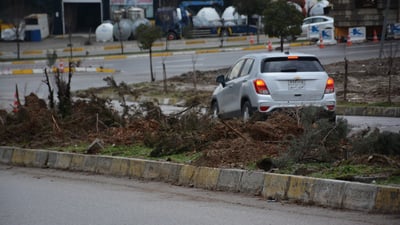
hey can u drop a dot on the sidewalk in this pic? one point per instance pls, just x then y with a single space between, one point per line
82 47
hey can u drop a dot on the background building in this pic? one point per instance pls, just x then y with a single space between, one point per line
363 13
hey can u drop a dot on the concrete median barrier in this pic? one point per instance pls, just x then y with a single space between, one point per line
206 178
252 182
59 160
103 165
6 154
151 170
169 172
77 162
136 168
36 158
229 180
387 200
359 196
119 167
275 186
186 175
18 157
322 192
300 189
89 163
328 193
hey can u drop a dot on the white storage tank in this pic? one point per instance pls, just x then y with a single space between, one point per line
207 16
122 30
104 32
135 13
137 23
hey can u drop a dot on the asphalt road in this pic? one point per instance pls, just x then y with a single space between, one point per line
46 197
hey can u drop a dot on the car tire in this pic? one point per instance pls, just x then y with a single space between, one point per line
172 36
214 111
247 112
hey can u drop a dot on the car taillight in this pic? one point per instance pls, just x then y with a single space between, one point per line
330 86
261 87
331 107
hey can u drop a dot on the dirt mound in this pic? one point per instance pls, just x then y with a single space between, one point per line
242 144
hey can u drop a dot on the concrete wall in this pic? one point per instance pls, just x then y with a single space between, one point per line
347 14
321 192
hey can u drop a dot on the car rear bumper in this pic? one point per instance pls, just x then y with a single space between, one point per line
270 106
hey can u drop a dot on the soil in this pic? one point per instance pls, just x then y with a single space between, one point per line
230 143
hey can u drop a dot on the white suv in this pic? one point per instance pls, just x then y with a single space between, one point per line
266 82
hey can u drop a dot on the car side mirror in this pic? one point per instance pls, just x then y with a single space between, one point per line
221 79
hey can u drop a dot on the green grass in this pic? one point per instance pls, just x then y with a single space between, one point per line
392 180
346 171
135 151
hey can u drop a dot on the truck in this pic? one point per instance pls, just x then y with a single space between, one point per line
198 19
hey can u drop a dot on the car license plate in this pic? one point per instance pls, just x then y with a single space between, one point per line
296 84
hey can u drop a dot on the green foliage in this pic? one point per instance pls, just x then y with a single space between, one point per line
51 58
147 35
250 7
282 19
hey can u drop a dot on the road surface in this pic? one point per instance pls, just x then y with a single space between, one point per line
30 196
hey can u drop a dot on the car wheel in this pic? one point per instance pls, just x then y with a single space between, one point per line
214 110
246 111
172 36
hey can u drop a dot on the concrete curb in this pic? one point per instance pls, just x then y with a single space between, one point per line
306 190
66 70
368 111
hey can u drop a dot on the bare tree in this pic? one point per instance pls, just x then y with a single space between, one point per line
51 59
14 11
194 59
389 61
164 75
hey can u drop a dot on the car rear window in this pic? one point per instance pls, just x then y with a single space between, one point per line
284 64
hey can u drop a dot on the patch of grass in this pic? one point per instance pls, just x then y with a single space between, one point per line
76 148
183 157
391 180
348 171
135 151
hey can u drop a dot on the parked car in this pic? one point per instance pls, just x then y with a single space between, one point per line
313 25
266 82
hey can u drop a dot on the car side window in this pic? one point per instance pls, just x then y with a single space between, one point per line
235 70
248 65
307 21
